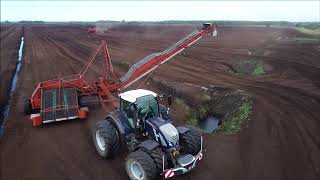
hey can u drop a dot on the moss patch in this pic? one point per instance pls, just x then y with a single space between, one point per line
234 123
252 67
258 70
122 64
233 108
191 117
194 103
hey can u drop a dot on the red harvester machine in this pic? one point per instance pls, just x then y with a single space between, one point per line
92 30
60 99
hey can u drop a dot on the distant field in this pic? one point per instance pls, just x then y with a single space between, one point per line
315 32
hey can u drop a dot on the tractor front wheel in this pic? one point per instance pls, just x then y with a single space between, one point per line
141 166
106 138
190 141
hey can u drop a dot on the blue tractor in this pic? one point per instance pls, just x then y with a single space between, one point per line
156 147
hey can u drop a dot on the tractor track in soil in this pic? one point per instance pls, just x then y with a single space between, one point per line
282 140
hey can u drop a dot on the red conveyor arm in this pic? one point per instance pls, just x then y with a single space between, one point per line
151 62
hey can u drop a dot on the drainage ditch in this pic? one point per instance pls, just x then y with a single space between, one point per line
209 124
6 108
213 109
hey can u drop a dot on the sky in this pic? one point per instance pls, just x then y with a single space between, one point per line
160 10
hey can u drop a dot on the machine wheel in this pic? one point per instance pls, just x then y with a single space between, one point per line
27 106
156 154
105 138
141 166
190 141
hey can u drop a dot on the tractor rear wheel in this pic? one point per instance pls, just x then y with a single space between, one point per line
141 166
106 138
190 141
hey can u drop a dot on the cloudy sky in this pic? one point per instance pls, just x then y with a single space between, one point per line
160 10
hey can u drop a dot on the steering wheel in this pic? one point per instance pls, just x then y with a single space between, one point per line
147 113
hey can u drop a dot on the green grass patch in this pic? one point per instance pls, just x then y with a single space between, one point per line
180 102
234 124
192 118
205 97
203 111
191 114
234 110
124 64
252 67
258 70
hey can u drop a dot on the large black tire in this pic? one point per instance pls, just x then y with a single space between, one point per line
156 154
106 139
190 141
27 109
140 165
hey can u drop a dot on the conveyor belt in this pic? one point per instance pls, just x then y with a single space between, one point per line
152 56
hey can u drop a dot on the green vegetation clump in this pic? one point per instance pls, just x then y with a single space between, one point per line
123 64
252 67
205 97
234 124
232 108
191 114
192 118
203 111
258 70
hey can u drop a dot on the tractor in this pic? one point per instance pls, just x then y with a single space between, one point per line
142 126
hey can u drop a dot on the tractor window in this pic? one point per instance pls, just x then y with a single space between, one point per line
124 105
147 104
125 108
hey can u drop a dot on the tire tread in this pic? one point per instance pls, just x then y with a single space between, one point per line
191 141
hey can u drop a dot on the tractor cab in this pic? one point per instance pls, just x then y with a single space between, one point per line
139 105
